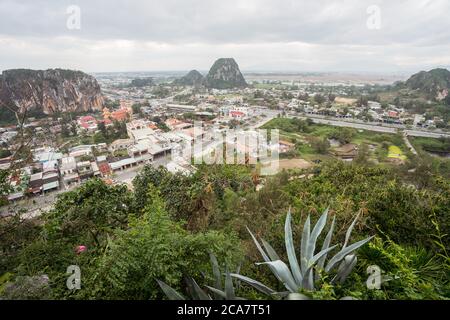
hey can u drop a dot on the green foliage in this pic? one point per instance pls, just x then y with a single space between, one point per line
343 135
4 153
415 272
89 213
166 227
155 247
197 293
15 234
430 82
300 275
192 198
401 211
5 187
288 125
320 145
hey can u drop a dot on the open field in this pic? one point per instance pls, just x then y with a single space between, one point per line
294 164
346 101
396 153
306 136
439 147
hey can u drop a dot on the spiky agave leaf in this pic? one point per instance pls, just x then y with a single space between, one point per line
199 293
297 296
308 277
349 231
270 250
290 249
345 251
345 268
283 273
216 273
304 245
326 245
263 253
260 249
255 284
317 230
222 294
217 292
171 293
229 288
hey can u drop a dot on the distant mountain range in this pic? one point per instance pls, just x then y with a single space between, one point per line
224 74
59 90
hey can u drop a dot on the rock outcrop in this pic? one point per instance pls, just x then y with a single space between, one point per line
225 74
434 83
50 91
193 78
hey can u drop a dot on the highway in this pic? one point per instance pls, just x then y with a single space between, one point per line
385 128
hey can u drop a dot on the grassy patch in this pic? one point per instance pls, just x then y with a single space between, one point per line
302 135
396 153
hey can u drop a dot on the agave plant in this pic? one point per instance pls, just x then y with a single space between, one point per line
300 275
197 293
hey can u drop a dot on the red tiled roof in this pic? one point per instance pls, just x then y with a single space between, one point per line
104 168
87 118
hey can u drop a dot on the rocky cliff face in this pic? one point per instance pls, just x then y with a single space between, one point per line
50 91
225 74
434 83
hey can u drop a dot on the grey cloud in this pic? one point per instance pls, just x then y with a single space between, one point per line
261 34
231 21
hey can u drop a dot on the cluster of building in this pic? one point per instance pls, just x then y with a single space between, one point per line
90 124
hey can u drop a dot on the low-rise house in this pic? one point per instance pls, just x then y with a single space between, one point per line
120 144
36 183
103 166
84 169
346 152
80 151
95 169
122 164
47 154
175 167
68 170
140 152
88 123
50 180
180 108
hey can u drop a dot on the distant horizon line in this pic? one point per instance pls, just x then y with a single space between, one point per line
251 71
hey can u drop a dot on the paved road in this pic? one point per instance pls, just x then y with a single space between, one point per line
386 128
408 144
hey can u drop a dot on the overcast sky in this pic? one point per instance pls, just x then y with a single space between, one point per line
262 35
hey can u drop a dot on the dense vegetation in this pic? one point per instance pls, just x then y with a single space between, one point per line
167 227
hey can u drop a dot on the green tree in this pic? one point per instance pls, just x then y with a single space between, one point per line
363 154
320 145
319 98
155 247
88 214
